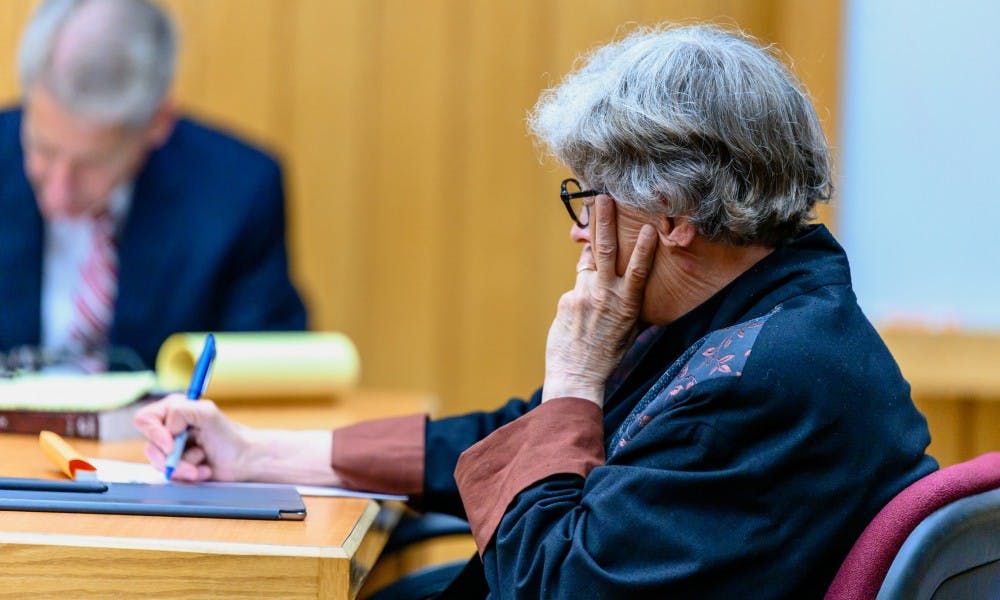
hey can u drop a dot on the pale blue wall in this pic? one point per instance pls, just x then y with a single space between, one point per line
919 199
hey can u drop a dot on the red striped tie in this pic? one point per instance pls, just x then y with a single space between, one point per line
95 298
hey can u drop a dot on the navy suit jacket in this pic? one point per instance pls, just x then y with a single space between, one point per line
202 248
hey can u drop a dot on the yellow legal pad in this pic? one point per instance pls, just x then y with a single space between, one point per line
263 364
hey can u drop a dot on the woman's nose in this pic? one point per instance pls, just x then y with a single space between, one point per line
579 234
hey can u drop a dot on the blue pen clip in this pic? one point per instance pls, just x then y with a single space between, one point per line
199 382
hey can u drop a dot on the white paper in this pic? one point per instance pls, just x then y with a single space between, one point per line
319 490
74 392
121 471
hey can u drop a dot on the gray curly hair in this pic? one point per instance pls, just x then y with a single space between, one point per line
695 121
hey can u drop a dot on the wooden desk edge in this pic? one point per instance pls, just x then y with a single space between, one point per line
946 364
367 546
381 517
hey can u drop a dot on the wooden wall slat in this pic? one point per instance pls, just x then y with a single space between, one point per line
948 420
11 24
985 425
410 231
330 163
239 62
816 58
13 15
189 81
498 204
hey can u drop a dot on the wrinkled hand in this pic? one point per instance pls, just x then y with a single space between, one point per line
596 320
217 446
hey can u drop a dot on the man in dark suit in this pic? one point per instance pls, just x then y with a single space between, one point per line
119 223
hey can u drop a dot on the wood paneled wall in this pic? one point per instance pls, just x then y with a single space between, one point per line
422 222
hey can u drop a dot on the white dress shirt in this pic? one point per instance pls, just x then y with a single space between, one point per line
67 247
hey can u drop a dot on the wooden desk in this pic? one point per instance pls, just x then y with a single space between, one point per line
328 555
955 385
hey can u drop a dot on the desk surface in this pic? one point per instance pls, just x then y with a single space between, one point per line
327 555
947 363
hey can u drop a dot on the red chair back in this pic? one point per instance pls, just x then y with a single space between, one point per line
863 571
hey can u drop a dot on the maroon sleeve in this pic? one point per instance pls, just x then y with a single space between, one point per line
563 435
384 455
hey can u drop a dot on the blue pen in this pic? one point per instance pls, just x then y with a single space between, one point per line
199 381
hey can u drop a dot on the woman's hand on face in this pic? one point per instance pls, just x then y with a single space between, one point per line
596 320
217 447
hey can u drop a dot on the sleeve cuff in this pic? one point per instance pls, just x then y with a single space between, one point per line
384 455
562 436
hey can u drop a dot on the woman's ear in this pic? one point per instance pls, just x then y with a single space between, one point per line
675 231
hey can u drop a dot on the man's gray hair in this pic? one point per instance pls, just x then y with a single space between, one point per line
694 121
109 60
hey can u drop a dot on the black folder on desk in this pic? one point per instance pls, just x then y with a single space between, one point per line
218 500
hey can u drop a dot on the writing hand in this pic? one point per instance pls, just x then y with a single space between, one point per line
221 449
216 445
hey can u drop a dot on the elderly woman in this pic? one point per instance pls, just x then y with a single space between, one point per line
718 417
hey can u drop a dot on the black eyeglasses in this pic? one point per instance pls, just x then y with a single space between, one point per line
573 197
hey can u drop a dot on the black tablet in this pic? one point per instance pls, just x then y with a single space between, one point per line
220 500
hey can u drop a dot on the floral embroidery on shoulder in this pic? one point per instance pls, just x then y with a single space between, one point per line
722 353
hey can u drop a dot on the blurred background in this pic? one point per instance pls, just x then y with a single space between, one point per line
425 226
